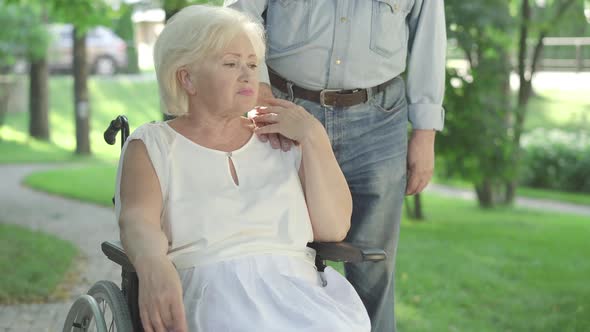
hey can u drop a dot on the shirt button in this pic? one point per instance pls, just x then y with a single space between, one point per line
338 61
343 19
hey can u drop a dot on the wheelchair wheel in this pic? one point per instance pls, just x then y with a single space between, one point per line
85 316
103 309
112 305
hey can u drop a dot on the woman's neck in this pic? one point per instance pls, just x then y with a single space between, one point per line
223 132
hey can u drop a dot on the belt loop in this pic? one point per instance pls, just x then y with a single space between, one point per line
291 96
370 93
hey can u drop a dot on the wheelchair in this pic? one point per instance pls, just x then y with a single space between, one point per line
106 307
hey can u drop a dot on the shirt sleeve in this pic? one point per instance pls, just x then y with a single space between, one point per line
254 9
426 64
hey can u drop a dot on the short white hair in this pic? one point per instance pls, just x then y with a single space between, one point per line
190 36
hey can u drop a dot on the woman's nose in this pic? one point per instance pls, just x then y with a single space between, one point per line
246 73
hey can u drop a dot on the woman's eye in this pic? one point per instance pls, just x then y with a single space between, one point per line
231 64
253 66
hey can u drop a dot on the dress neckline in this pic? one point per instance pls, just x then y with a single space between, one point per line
228 153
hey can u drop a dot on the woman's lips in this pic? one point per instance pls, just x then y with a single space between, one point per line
246 92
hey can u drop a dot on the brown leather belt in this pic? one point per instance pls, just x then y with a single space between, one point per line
327 97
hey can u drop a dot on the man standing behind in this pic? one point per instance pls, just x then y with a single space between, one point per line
341 60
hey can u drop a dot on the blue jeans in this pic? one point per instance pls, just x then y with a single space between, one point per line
370 144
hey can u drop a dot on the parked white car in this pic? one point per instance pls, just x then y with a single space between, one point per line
106 53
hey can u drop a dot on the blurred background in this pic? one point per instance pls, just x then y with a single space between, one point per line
498 241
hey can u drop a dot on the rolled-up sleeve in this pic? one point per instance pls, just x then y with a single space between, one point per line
426 64
254 9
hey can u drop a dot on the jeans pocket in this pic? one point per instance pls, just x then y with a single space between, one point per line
392 99
389 33
288 24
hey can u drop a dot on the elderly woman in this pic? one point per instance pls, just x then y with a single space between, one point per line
215 221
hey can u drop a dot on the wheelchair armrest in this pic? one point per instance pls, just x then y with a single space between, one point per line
114 251
331 251
346 252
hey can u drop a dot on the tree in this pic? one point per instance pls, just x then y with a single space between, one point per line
536 22
124 29
29 41
475 141
484 122
39 90
83 14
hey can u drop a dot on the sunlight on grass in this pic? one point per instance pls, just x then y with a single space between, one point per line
95 184
33 151
138 99
9 133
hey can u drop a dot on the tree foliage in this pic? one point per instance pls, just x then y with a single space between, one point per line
484 122
29 40
475 143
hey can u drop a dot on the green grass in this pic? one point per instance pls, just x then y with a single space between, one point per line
33 264
95 184
30 150
466 269
108 98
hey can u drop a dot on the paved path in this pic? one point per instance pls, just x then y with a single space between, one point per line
530 203
87 225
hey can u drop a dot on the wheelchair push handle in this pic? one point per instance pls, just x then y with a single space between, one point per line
119 123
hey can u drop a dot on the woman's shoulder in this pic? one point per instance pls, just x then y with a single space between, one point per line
155 131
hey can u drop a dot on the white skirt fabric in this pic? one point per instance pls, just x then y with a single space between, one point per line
270 293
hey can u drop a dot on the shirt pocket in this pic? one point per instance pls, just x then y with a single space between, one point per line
288 24
389 33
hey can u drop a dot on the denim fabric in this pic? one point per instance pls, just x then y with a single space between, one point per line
370 143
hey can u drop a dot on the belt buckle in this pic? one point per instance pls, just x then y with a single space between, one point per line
322 96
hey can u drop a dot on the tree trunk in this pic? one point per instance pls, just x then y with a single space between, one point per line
81 104
525 90
524 93
39 100
408 205
418 214
6 88
485 194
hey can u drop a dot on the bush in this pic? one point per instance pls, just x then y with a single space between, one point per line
555 159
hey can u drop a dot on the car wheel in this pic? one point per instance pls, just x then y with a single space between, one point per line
105 66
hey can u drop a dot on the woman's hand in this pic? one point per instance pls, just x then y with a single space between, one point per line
160 296
285 118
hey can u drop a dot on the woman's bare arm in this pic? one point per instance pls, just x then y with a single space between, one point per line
326 192
146 245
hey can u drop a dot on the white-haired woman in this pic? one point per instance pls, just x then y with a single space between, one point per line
215 221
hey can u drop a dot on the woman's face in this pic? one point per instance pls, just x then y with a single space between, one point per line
227 83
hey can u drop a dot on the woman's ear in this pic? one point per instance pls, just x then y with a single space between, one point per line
185 79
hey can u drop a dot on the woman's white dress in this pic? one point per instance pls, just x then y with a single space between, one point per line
240 249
